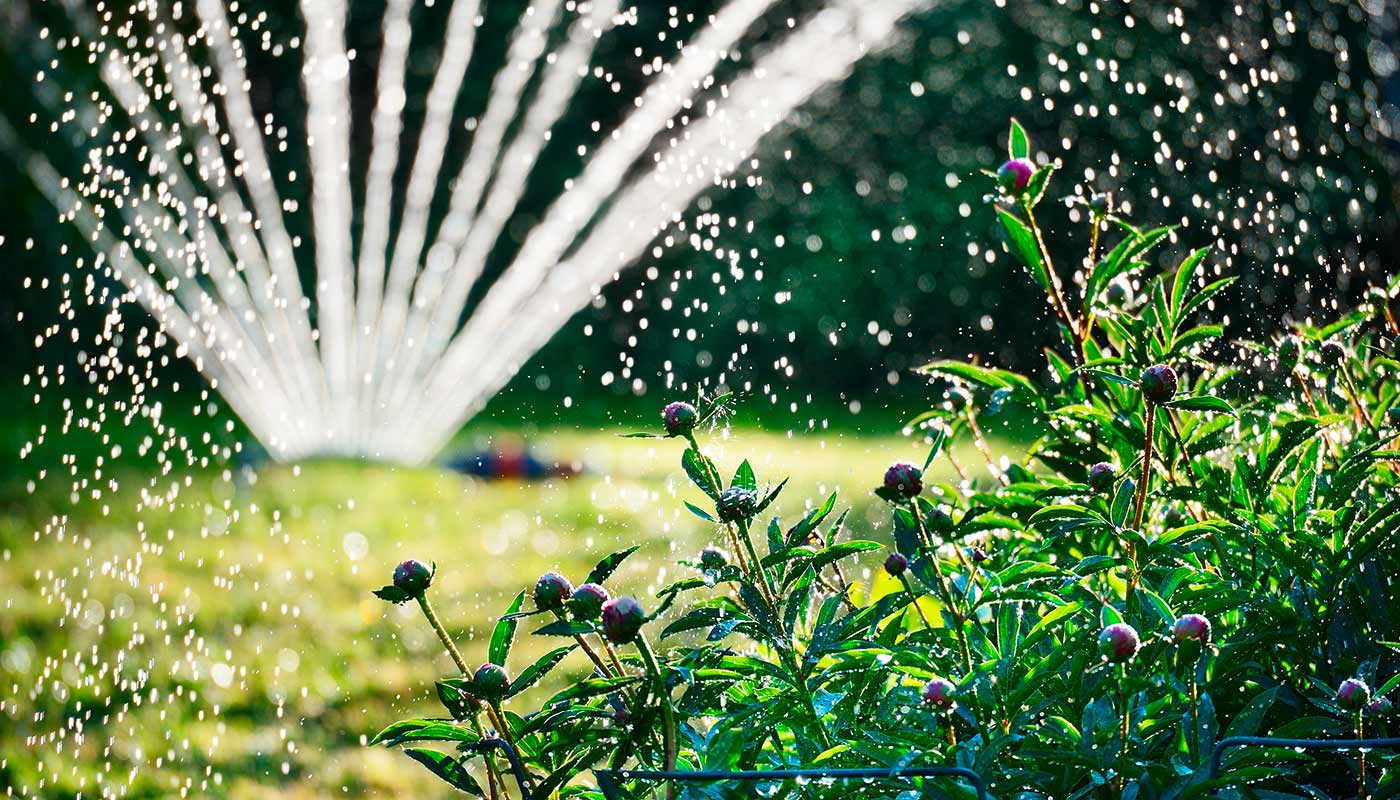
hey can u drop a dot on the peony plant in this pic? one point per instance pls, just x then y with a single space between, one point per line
1201 543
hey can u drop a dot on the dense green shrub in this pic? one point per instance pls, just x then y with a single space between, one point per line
1200 544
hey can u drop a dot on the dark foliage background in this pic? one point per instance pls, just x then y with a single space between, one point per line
1267 128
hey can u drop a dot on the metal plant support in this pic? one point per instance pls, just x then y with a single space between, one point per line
1218 754
609 780
517 768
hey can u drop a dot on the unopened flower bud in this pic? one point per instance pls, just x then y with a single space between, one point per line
939 693
1353 694
904 478
622 619
1191 627
736 503
1102 477
551 590
413 577
1158 384
1119 642
1015 175
587 601
679 419
896 564
490 683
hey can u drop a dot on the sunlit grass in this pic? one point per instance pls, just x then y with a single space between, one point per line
259 618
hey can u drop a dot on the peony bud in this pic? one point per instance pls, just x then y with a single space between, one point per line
939 693
413 577
905 478
1191 627
1118 642
551 590
896 564
622 619
736 503
1332 355
587 601
679 418
1353 694
490 683
938 521
1102 476
713 558
1158 383
1015 175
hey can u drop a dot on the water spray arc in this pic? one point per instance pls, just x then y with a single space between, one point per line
370 355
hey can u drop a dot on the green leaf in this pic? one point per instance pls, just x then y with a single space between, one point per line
1203 402
770 497
1018 145
698 511
565 627
532 674
1035 188
446 767
1048 622
605 568
1110 376
981 376
1122 501
1248 720
802 530
744 477
1023 245
423 730
1152 600
1203 296
713 406
1182 283
393 594
723 750
454 698
504 633
702 472
939 436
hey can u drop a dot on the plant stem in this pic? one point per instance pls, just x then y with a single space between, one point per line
492 776
612 656
799 681
1141 505
946 593
1390 318
982 446
1361 760
914 600
1149 420
948 451
765 581
1356 400
668 711
1123 700
1195 716
1057 298
442 634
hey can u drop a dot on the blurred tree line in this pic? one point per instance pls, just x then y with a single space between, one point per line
860 246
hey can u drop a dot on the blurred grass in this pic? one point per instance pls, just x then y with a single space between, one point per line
216 635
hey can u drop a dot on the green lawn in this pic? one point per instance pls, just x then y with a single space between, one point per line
226 643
